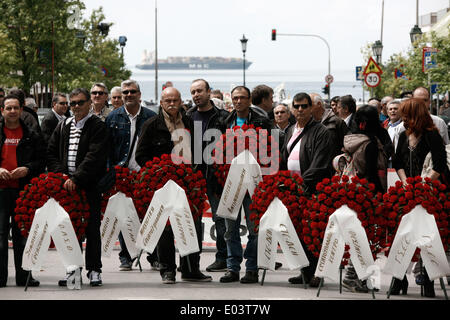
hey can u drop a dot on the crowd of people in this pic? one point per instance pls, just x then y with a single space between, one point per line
313 133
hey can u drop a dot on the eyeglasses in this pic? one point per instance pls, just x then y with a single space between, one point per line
126 92
280 112
116 97
303 106
79 102
100 93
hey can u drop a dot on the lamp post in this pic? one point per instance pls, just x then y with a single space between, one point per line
244 49
377 49
122 42
416 33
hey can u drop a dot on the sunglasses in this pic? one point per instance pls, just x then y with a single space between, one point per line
126 92
100 93
303 106
63 103
280 112
80 103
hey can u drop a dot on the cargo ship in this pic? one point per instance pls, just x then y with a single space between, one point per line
191 63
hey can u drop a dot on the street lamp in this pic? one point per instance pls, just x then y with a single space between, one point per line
415 34
244 49
122 42
377 49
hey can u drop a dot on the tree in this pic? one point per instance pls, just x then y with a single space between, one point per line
37 45
411 65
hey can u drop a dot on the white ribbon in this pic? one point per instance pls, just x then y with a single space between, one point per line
51 220
344 228
244 175
276 227
120 215
417 229
169 202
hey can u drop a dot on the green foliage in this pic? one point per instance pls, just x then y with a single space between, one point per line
411 66
31 31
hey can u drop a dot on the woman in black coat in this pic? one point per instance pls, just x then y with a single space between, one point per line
420 138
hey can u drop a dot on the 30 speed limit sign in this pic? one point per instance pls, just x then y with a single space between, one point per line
372 79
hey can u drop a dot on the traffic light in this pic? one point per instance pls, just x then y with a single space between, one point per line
274 34
326 89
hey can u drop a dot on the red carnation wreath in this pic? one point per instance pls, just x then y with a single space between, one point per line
37 193
285 185
125 180
224 152
154 175
358 195
400 200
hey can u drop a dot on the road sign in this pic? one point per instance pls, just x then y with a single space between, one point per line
372 67
359 75
372 79
329 79
429 58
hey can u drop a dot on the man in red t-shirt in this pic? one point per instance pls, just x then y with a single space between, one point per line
20 159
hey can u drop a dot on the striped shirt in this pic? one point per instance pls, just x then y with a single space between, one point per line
74 139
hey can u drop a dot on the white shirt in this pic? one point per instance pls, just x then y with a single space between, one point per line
58 116
132 164
347 120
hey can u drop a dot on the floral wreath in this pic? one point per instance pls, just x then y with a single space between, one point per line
358 195
125 181
285 185
401 199
47 186
223 153
154 175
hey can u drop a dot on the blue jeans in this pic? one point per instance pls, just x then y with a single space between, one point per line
219 222
233 240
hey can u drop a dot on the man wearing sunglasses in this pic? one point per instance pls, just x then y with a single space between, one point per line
306 151
99 97
54 116
78 148
124 125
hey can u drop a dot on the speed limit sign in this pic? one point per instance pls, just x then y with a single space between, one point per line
372 79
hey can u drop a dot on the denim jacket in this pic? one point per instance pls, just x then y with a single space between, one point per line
119 126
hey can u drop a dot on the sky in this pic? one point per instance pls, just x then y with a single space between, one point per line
215 27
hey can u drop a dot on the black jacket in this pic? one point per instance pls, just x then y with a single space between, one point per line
92 152
338 129
30 152
315 155
48 124
216 121
155 139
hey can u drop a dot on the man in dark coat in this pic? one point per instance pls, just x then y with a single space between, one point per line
22 158
54 116
78 148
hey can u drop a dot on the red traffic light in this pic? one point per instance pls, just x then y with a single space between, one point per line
274 34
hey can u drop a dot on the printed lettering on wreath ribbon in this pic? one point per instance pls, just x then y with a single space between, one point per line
276 227
169 202
343 228
120 216
417 229
51 220
244 175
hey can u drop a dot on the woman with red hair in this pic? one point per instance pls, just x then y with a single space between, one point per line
420 138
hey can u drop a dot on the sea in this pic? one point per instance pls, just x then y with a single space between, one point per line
291 81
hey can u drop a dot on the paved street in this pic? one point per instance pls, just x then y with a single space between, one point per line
147 285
